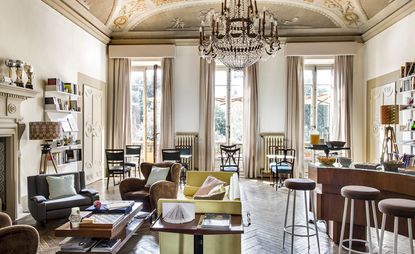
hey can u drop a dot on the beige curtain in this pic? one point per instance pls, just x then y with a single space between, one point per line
342 98
294 131
166 118
251 123
118 103
207 116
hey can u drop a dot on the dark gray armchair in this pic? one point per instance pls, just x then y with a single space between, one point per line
42 208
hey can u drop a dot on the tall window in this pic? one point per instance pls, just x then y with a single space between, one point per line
145 107
228 106
318 91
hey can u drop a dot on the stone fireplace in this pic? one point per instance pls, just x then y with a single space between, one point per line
11 129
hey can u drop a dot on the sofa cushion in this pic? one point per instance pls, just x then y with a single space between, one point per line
66 202
136 194
217 193
210 183
190 190
61 186
157 174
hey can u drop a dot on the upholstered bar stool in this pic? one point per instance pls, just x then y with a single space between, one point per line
305 185
398 208
369 196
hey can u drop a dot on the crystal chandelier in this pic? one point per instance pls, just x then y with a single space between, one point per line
239 36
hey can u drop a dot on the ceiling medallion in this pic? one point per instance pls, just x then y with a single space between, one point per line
239 36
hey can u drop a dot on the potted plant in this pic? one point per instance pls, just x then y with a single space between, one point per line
393 165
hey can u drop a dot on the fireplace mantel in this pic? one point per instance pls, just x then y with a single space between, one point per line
11 97
11 129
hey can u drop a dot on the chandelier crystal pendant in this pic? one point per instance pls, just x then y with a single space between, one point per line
239 35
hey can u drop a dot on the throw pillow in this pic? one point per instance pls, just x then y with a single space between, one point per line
215 196
210 183
61 186
157 174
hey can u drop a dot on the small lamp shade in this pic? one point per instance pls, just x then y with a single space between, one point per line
45 130
389 114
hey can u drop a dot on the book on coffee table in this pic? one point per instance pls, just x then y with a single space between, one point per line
105 245
215 221
77 244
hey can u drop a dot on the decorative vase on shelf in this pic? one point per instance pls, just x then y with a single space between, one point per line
75 217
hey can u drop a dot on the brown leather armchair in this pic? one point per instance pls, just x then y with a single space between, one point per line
134 188
18 239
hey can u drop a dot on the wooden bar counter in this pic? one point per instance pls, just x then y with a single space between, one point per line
330 203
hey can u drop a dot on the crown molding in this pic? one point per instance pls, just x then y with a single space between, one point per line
389 21
77 15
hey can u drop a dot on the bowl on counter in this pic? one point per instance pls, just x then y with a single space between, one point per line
327 161
344 161
392 166
335 144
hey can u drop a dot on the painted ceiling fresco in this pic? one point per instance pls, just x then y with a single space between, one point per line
326 16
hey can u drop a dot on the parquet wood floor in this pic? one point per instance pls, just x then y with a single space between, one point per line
266 206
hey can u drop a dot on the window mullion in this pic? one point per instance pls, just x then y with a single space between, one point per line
228 106
314 98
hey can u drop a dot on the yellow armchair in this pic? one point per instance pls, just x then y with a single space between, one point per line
195 179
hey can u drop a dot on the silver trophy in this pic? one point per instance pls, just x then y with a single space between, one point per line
29 72
19 73
10 64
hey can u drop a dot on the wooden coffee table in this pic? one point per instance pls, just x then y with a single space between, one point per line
123 229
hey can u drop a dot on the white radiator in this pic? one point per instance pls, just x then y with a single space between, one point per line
270 139
188 139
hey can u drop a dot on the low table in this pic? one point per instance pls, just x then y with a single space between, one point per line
123 229
191 228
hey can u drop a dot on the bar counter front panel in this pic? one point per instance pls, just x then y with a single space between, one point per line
330 180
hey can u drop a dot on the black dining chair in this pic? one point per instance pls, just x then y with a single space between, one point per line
230 159
282 163
116 164
185 151
170 155
133 158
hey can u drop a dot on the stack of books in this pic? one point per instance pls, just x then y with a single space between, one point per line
215 221
77 244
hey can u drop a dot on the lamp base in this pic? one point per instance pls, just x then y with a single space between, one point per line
44 159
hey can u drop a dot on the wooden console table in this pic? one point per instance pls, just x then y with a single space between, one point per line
123 230
191 228
330 203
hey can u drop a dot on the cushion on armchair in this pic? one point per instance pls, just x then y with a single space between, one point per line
217 193
61 186
157 174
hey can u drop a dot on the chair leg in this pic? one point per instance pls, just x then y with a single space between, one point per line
343 225
108 180
293 224
306 217
375 220
313 208
351 225
113 178
395 235
411 236
285 219
382 232
368 226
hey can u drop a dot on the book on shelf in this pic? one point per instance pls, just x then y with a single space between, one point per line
105 245
215 221
77 244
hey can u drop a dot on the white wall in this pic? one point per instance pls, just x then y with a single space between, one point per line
272 93
186 89
387 51
35 33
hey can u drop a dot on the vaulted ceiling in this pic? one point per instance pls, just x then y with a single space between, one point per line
181 18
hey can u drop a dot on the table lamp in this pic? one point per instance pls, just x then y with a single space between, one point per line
47 131
389 115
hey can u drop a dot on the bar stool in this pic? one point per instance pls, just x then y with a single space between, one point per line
294 185
367 194
398 208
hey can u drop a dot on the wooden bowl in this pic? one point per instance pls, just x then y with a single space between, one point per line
328 161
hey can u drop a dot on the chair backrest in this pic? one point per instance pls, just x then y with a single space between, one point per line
133 150
230 156
114 157
285 155
174 173
38 185
22 239
170 155
228 146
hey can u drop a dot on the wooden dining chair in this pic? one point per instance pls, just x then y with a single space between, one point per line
133 154
230 159
116 164
282 163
